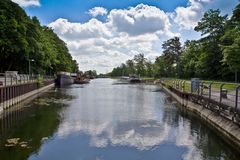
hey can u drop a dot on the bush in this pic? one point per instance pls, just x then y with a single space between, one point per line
40 81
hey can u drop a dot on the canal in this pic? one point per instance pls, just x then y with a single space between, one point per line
105 121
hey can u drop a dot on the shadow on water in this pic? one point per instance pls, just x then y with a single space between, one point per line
26 126
204 137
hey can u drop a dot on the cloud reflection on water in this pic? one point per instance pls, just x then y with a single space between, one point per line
144 123
142 135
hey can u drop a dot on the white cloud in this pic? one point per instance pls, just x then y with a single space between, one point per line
139 20
187 17
76 31
27 3
98 11
104 45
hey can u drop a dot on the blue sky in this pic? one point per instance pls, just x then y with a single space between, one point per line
74 10
102 34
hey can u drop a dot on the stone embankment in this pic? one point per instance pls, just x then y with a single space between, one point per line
225 127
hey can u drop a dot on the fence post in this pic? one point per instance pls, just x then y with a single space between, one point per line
191 87
221 87
5 78
202 88
210 91
198 91
11 79
236 101
184 85
180 86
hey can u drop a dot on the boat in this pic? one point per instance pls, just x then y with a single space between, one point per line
64 78
81 81
130 79
134 80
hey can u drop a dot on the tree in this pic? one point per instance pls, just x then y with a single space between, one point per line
13 42
149 69
130 66
160 67
231 42
212 26
23 38
189 59
232 56
215 56
140 61
91 73
172 51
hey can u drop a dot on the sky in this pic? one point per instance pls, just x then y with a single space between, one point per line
102 34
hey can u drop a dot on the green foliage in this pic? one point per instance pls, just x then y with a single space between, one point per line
231 42
215 56
40 81
160 67
212 26
23 38
189 59
140 64
172 51
137 66
91 73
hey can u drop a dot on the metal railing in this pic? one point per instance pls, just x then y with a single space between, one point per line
222 98
12 87
9 80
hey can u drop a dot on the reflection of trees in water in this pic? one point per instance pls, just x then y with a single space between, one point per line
12 118
31 123
171 112
209 142
206 140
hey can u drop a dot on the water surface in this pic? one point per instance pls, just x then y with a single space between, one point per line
107 121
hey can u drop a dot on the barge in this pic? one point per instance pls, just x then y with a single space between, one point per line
64 78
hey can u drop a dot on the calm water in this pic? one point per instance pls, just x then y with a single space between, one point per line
102 121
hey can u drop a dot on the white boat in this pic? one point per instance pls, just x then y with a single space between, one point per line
131 79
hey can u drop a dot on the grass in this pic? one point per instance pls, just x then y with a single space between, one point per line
149 78
215 84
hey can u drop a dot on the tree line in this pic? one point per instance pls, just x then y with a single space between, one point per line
216 55
24 40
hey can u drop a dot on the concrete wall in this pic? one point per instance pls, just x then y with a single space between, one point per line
18 99
228 129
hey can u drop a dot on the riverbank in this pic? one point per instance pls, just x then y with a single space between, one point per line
225 127
16 94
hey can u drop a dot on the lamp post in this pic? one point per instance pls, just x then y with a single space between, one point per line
29 66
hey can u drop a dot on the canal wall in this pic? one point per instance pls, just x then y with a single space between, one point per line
12 95
226 127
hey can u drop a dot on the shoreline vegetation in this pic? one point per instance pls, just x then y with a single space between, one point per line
23 40
215 56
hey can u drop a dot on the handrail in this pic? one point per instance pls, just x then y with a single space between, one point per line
236 101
